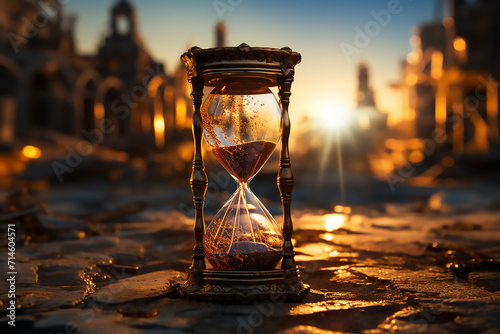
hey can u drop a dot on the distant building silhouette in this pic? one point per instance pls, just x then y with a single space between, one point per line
367 114
365 93
220 33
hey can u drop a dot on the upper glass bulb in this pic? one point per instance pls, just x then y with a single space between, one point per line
242 125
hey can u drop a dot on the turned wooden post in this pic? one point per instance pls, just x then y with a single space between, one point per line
285 176
199 179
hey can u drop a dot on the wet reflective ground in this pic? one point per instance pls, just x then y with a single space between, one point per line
108 260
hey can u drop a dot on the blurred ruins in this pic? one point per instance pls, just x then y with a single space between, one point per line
448 121
114 105
120 114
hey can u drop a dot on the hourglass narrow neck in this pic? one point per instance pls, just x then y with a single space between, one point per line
244 185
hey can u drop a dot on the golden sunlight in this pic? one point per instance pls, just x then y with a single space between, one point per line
31 152
437 65
159 125
181 118
342 209
333 116
459 44
334 221
327 237
99 111
413 57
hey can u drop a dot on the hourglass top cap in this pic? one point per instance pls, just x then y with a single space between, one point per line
241 61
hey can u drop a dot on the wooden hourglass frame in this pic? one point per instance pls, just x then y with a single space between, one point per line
204 68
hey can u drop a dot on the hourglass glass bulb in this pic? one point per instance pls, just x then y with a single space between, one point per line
242 125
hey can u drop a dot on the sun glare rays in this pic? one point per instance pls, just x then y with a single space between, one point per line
335 120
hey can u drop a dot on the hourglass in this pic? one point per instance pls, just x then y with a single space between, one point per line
242 123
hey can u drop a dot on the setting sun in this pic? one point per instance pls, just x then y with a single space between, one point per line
333 116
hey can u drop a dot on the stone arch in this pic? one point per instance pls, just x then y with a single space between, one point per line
161 108
85 100
10 88
111 106
50 101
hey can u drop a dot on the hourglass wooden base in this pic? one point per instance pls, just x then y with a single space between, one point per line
275 285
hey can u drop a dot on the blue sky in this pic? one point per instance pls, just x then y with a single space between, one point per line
314 28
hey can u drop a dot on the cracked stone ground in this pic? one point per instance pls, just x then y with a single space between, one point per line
94 261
